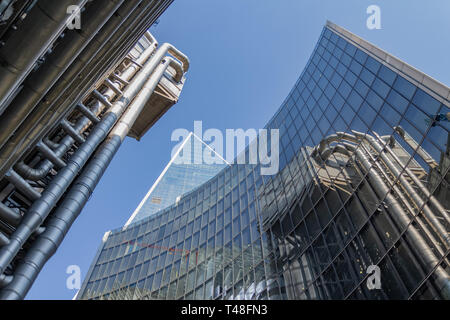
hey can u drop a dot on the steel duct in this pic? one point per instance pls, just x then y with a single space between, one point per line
59 224
45 165
35 123
40 209
429 215
428 258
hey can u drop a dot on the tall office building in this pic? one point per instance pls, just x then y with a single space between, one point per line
180 176
363 184
76 78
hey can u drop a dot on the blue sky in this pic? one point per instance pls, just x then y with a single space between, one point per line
245 57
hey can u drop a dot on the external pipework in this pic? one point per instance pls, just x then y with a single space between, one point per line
415 146
101 54
20 183
40 209
426 255
9 215
440 230
51 129
91 114
46 244
429 214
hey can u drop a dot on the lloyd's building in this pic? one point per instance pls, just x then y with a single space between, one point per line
76 78
362 190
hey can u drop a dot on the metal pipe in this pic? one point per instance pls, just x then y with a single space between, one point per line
100 97
40 209
59 224
45 166
89 59
88 113
440 230
18 153
125 123
50 155
406 203
9 215
20 52
426 255
5 279
416 147
150 37
119 79
429 215
4 240
168 48
423 188
50 143
113 87
70 130
22 185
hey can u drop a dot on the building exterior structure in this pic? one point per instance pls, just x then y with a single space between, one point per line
363 182
76 78
180 176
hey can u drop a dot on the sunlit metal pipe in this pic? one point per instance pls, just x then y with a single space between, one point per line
70 130
430 216
102 47
45 166
58 225
425 253
40 209
22 185
50 155
9 215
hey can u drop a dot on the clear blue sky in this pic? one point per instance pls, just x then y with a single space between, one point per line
245 57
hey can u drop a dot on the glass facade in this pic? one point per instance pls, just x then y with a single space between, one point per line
363 181
180 176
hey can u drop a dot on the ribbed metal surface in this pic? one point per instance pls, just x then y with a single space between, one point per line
58 102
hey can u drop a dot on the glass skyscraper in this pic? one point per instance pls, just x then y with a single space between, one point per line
181 175
363 182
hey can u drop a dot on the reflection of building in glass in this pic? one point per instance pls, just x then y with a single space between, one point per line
365 172
178 178
363 181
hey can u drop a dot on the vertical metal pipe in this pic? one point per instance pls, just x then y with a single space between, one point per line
429 215
66 213
65 144
40 209
426 255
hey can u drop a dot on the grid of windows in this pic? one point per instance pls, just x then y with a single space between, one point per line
363 181
177 179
